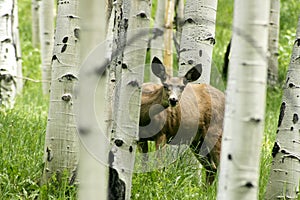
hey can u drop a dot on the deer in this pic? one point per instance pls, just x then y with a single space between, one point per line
180 112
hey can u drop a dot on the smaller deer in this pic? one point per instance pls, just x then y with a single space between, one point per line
179 112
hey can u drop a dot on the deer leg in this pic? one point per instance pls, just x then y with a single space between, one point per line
143 147
210 176
205 157
210 168
160 141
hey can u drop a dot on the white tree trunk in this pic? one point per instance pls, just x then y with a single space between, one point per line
8 52
35 6
127 122
198 37
157 42
61 145
273 42
285 170
116 43
16 38
179 18
46 21
244 114
94 151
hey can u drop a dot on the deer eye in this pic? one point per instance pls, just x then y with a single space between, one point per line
166 86
181 87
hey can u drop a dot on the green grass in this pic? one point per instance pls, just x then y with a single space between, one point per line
22 129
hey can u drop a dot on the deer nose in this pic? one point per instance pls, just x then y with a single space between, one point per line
173 101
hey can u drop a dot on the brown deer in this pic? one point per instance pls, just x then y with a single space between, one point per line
179 112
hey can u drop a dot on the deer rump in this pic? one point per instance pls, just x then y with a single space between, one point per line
197 120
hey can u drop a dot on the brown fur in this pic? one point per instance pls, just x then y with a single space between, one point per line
197 119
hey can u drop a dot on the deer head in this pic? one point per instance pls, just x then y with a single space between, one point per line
173 86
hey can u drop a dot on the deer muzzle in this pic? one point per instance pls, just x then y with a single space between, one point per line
173 99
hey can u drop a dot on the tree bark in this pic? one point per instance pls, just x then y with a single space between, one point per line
126 135
244 115
61 145
35 23
273 42
8 51
157 42
198 37
94 148
285 174
168 36
179 19
16 38
47 40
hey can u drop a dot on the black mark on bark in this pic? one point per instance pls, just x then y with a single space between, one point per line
63 49
116 186
119 142
77 33
49 154
65 39
133 83
229 157
249 185
295 118
275 149
281 115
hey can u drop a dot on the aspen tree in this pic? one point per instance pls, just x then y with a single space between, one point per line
245 102
94 148
124 139
273 42
158 36
9 67
284 179
168 36
179 18
198 36
61 144
35 23
17 43
46 20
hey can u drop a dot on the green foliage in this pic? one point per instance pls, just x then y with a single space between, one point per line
223 32
22 129
21 146
58 189
181 179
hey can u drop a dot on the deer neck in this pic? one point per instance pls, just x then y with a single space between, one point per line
152 104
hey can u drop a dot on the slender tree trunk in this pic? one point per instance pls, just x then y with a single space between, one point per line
16 38
179 18
285 174
94 151
244 114
168 36
61 145
198 37
109 12
117 40
273 42
157 42
8 59
126 135
35 23
47 39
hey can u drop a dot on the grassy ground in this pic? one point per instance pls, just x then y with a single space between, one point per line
22 129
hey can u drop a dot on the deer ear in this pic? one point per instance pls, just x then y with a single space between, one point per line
158 69
194 73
